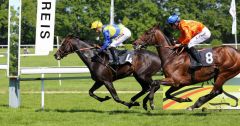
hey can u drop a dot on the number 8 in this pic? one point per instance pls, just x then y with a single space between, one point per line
209 57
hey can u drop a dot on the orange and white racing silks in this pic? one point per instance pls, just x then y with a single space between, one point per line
189 29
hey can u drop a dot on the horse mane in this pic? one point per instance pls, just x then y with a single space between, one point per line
165 32
152 29
71 36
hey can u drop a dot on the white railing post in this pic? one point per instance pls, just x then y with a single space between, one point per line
42 91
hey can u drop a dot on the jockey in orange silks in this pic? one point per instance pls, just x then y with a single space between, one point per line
192 33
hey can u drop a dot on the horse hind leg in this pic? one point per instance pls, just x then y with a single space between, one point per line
202 100
151 95
220 79
145 83
154 87
96 86
217 89
113 92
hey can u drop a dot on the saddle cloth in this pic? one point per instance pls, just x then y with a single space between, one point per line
124 56
206 57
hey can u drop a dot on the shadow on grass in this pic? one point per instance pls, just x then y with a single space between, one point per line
135 112
8 107
88 110
4 105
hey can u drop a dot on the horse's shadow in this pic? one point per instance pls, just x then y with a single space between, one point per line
88 110
4 105
129 112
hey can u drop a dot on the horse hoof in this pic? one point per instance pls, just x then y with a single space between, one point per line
136 104
104 99
188 100
204 109
190 108
152 107
107 98
133 104
129 106
145 107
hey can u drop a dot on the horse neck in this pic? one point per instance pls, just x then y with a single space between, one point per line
87 60
163 52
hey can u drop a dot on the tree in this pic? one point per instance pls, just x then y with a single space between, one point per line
3 21
29 14
76 16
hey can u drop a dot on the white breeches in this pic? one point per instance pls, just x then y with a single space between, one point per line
121 38
200 37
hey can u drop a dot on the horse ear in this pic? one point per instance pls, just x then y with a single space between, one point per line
70 35
158 25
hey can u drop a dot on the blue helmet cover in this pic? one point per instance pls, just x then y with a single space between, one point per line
173 19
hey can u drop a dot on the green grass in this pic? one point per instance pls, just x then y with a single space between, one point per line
80 109
72 109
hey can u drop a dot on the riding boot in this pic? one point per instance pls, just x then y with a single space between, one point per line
114 55
196 56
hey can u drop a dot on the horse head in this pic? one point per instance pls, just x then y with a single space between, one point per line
153 36
70 44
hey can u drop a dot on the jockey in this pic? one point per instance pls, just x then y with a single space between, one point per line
114 35
192 33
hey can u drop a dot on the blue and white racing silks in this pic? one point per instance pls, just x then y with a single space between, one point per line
110 32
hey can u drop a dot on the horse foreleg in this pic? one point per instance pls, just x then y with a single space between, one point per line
113 92
95 86
173 89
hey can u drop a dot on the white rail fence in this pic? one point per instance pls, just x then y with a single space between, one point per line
50 70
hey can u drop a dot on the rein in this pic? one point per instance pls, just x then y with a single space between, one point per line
93 47
84 49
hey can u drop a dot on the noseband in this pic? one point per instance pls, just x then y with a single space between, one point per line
68 45
152 38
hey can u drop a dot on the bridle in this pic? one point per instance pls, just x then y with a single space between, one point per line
72 50
81 50
68 45
151 37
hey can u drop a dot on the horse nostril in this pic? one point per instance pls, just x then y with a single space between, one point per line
56 56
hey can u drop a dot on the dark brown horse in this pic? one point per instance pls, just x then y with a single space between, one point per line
144 65
175 67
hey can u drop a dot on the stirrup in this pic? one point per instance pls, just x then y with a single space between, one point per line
115 63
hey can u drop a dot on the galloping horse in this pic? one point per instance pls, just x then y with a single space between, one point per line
226 65
144 65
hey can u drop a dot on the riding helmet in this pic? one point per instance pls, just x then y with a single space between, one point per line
173 19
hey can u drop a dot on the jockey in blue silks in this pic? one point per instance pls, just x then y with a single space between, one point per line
114 35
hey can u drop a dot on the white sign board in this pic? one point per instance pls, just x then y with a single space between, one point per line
45 26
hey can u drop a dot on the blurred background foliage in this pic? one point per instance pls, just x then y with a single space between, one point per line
76 16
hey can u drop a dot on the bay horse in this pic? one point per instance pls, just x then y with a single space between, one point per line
175 67
144 65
